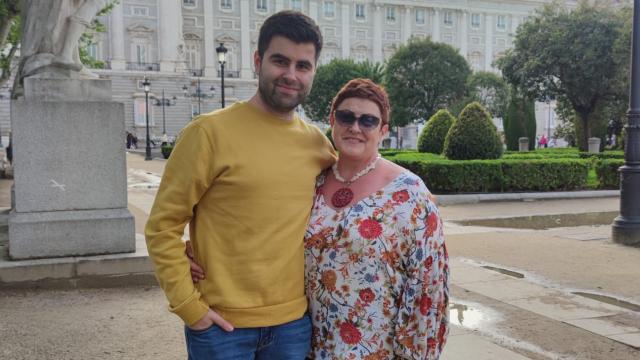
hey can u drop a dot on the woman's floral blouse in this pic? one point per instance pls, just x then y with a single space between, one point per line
377 275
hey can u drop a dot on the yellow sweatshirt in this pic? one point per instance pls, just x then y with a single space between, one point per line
244 182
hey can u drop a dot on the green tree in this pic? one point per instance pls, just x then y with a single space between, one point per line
422 77
519 121
568 53
431 139
490 90
473 136
330 78
9 36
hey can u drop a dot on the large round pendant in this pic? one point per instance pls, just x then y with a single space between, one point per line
342 197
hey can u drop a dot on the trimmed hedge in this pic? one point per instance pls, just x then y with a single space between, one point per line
503 175
473 136
544 175
603 155
607 173
431 139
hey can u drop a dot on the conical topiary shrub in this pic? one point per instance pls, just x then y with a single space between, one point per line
473 136
431 139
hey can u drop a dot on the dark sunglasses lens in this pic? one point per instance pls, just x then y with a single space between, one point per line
345 117
368 121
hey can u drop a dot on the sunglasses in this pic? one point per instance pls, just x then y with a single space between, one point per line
366 122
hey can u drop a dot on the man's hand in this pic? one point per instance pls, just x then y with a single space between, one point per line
209 320
197 272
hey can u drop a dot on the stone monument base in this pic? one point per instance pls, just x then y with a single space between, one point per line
70 181
70 233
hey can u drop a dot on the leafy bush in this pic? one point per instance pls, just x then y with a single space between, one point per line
431 139
166 150
473 136
607 173
544 175
502 175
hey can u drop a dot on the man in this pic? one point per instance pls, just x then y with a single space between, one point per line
243 179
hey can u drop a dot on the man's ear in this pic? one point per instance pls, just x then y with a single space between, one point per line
257 62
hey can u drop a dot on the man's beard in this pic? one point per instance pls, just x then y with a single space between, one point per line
277 103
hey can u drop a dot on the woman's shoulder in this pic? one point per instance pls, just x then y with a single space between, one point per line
405 179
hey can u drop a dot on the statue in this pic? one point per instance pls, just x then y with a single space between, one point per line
50 34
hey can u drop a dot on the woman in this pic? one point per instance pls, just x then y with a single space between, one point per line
376 263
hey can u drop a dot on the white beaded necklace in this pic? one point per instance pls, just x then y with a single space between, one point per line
357 176
343 196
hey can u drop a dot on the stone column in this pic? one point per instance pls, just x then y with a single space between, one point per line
210 57
346 32
70 177
246 71
464 25
435 25
313 10
118 61
488 41
377 33
170 34
406 28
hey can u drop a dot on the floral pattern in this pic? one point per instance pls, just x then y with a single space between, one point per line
377 275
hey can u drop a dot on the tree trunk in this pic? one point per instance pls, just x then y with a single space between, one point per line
586 131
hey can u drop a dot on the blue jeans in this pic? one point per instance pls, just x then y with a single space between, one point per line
290 341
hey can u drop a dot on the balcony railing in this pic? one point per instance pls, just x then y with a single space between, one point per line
135 66
229 74
196 72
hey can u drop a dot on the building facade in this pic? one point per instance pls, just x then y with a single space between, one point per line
173 42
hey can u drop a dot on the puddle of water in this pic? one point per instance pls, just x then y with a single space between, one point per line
467 316
505 272
542 222
610 300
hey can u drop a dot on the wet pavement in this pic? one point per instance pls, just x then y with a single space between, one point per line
530 280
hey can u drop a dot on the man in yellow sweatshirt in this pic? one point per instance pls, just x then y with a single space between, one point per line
243 179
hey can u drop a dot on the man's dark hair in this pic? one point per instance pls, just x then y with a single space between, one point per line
292 25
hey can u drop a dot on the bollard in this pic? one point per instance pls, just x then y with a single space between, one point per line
594 145
523 143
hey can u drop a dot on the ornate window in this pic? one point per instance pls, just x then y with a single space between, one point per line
501 22
226 4
261 5
475 20
360 12
391 14
189 3
420 18
329 8
448 18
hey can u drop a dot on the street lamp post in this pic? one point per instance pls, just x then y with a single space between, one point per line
147 88
165 102
626 226
198 93
222 59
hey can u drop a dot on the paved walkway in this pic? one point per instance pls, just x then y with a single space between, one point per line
557 293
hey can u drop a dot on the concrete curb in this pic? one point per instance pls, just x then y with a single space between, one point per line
445 200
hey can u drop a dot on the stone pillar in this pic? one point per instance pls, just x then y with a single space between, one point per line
210 57
70 181
377 33
406 28
118 61
246 71
170 26
488 41
464 25
435 26
346 31
313 10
